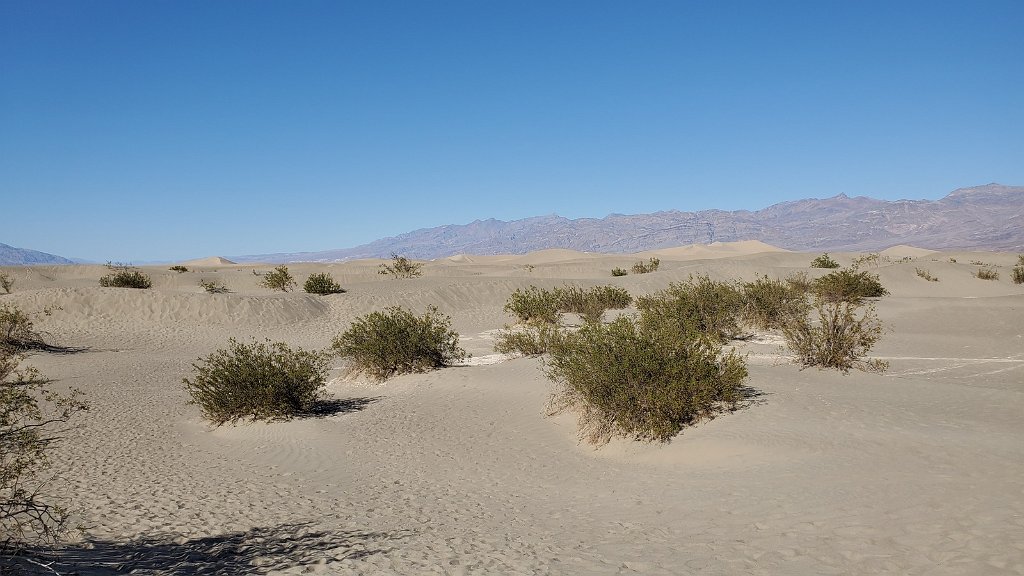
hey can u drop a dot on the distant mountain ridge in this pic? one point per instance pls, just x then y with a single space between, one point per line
989 217
11 256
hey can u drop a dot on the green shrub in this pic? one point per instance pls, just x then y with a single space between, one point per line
867 259
401 267
824 261
17 332
619 272
125 277
262 380
593 303
6 282
840 339
533 305
641 381
698 305
395 341
926 275
987 273
1018 270
32 419
278 279
769 304
323 284
214 287
528 340
178 268
848 285
800 282
645 267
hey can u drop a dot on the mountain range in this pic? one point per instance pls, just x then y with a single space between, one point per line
11 256
989 217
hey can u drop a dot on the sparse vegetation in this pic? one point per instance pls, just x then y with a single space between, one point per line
800 282
848 285
593 303
533 305
278 279
952 260
699 305
125 276
651 265
824 261
17 331
528 339
401 267
262 380
323 284
840 339
641 379
619 272
987 273
1018 270
33 417
870 259
396 341
923 273
214 287
178 268
769 304
6 282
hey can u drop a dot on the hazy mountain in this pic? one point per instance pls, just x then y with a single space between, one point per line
11 256
989 217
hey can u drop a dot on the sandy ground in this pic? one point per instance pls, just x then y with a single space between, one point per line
459 471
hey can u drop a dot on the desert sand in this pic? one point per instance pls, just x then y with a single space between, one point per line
916 471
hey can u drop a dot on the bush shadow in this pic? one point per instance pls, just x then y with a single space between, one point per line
336 406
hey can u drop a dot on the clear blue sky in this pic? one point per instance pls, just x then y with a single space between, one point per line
135 131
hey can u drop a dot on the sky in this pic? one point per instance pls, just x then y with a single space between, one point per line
165 130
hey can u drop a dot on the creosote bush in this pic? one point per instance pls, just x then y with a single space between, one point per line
213 287
6 282
848 285
401 267
619 272
533 305
641 379
987 273
528 339
824 261
923 273
323 284
839 339
33 418
278 279
645 267
1018 270
593 303
770 304
178 268
17 332
699 305
124 276
396 341
261 380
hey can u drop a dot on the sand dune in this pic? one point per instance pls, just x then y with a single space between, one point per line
209 261
459 471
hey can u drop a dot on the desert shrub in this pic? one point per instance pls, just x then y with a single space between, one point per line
178 268
33 418
824 261
840 339
323 284
769 304
640 380
593 303
866 259
533 305
17 331
926 275
6 282
396 341
528 340
848 285
213 287
1018 270
619 272
645 267
953 260
401 267
800 281
262 380
123 276
987 273
278 279
699 305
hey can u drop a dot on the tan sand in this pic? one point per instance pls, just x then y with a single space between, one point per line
459 471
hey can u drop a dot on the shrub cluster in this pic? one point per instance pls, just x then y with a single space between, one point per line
533 305
401 267
641 379
17 332
6 282
122 276
178 268
987 273
770 304
396 341
848 285
1018 270
925 274
593 303
645 267
824 261
699 305
619 272
262 380
528 339
323 284
840 339
278 279
213 287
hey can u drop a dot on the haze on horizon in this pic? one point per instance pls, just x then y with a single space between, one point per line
172 130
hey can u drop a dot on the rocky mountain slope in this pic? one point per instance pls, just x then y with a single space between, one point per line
11 256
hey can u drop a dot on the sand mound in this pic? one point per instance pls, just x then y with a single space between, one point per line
209 261
715 250
904 251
